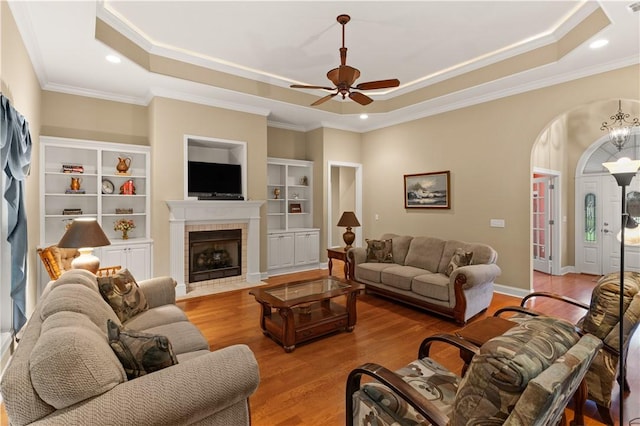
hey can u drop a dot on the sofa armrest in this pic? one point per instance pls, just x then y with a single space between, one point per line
159 291
355 255
472 275
181 394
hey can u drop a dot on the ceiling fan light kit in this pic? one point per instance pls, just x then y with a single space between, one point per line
344 76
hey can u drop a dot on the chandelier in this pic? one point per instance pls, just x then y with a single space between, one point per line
620 128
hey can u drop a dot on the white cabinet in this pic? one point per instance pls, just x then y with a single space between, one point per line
293 244
135 257
307 247
281 250
81 178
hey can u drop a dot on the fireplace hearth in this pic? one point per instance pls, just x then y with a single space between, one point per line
215 254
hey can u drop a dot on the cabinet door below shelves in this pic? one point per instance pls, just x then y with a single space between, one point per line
280 253
135 257
307 247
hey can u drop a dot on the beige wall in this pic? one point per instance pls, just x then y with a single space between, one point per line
19 83
488 150
284 143
79 117
169 122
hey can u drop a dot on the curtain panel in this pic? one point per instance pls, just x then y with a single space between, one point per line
15 149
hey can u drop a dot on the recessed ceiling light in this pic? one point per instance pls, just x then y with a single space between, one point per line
113 59
599 43
364 116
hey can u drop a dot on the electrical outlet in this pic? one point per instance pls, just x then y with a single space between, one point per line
376 216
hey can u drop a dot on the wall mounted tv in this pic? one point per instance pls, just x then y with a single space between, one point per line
214 181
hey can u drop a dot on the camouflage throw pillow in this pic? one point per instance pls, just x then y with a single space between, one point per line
379 251
122 293
459 258
140 353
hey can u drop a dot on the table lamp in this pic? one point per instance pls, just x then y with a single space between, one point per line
84 234
349 220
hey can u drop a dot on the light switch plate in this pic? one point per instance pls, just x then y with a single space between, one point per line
497 223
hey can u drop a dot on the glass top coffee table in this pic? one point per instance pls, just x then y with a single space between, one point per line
304 310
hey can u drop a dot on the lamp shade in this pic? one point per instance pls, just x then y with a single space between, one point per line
84 232
348 220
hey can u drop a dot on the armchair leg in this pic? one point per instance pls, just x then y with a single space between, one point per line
579 399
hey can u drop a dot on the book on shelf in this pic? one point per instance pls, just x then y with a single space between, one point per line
72 168
67 212
75 191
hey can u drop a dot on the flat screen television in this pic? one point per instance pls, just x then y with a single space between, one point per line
211 179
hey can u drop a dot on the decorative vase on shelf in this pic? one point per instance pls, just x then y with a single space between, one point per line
276 193
125 234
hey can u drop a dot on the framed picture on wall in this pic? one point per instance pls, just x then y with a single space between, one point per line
427 191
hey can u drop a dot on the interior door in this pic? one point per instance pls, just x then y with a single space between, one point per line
542 224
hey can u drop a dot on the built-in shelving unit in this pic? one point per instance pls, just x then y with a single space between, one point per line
91 165
293 242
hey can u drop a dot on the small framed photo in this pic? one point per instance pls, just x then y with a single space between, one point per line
295 208
427 191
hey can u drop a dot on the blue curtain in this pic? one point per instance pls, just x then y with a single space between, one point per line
15 147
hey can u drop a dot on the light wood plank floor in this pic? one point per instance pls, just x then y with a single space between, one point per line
306 387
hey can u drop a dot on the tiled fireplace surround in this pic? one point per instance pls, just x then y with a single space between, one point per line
194 215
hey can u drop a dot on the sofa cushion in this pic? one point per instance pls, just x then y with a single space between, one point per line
379 251
183 335
72 361
433 286
81 299
370 271
164 314
140 353
399 246
400 276
460 258
501 371
425 253
122 293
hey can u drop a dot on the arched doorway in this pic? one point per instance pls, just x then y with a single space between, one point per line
563 147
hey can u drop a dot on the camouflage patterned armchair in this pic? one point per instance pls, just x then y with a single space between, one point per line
601 320
524 377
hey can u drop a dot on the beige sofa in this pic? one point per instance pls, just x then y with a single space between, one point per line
417 273
64 370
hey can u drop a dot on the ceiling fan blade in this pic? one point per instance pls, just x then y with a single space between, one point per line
323 100
302 86
379 84
360 98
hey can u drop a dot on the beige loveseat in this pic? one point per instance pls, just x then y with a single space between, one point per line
418 271
64 371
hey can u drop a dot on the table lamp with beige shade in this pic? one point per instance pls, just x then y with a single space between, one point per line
348 220
84 234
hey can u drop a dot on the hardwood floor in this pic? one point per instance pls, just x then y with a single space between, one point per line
307 386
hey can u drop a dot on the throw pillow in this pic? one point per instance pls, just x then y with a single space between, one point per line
459 258
379 251
140 353
122 293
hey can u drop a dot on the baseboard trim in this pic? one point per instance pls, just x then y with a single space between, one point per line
511 291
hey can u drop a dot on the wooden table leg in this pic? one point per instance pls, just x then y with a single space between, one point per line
330 265
351 310
288 329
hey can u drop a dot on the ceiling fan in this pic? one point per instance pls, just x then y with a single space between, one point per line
344 76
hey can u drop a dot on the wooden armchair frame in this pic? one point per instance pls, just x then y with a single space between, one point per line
54 269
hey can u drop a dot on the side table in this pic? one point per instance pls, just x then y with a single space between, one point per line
340 254
480 332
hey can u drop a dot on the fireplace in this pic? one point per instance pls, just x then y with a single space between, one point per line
188 216
215 254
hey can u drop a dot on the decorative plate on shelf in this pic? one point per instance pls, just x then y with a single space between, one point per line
107 186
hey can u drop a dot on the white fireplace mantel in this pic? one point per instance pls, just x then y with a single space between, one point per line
195 212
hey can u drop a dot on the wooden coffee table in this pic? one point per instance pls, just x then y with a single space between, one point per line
304 310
